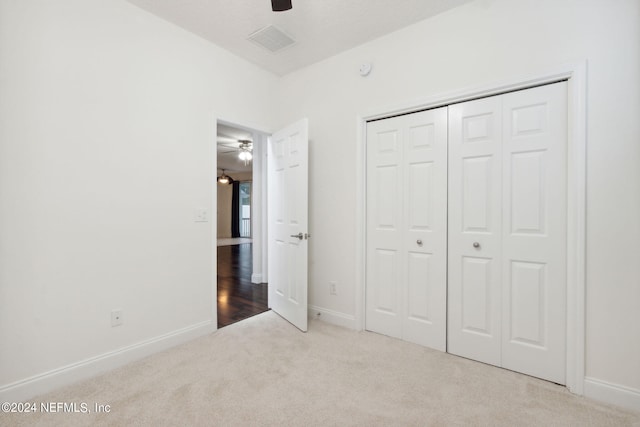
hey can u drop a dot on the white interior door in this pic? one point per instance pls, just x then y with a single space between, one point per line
507 230
475 151
407 227
534 229
287 161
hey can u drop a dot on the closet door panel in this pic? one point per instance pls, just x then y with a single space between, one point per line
407 227
384 227
534 229
425 230
475 163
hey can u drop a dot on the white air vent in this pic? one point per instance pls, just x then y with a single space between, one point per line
271 38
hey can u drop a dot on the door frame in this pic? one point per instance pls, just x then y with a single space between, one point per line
576 76
259 202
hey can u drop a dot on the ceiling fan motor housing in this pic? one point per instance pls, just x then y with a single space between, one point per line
280 5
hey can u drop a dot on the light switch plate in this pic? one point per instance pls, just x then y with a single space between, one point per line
201 215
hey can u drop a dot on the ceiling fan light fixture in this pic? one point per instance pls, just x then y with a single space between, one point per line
281 5
224 179
246 147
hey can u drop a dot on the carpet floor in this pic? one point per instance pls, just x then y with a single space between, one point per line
263 371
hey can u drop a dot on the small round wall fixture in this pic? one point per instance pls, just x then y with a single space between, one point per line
365 69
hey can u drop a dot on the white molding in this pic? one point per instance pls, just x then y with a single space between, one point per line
614 394
576 227
256 278
334 317
561 72
361 221
213 178
576 76
48 381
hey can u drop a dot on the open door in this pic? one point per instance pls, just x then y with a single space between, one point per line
287 160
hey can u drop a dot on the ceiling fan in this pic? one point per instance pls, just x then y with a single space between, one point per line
243 147
280 5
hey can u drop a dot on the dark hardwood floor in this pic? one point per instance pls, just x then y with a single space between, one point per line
238 298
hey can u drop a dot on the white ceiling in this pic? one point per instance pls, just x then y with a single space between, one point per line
321 28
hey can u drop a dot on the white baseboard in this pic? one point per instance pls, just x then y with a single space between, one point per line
256 278
333 317
36 385
614 394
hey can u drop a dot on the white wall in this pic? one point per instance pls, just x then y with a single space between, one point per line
225 196
107 125
474 45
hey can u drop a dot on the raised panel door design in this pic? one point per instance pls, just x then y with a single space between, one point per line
419 300
287 216
279 249
421 136
278 221
528 119
505 186
386 294
476 194
534 219
528 193
511 255
294 148
406 223
278 153
386 142
474 279
425 228
476 296
477 127
528 303
421 200
294 262
385 214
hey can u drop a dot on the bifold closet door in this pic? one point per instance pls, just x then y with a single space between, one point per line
507 231
407 227
475 231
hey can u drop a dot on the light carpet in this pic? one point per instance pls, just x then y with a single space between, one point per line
263 371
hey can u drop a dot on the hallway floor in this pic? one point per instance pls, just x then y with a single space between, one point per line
238 298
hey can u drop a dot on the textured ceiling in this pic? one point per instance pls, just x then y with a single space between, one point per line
320 28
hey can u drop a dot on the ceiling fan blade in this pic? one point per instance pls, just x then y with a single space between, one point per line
280 5
226 139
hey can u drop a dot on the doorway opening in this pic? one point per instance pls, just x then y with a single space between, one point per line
241 287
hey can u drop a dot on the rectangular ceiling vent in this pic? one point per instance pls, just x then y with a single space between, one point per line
271 38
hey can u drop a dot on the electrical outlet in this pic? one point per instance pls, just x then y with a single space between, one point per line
116 317
333 288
